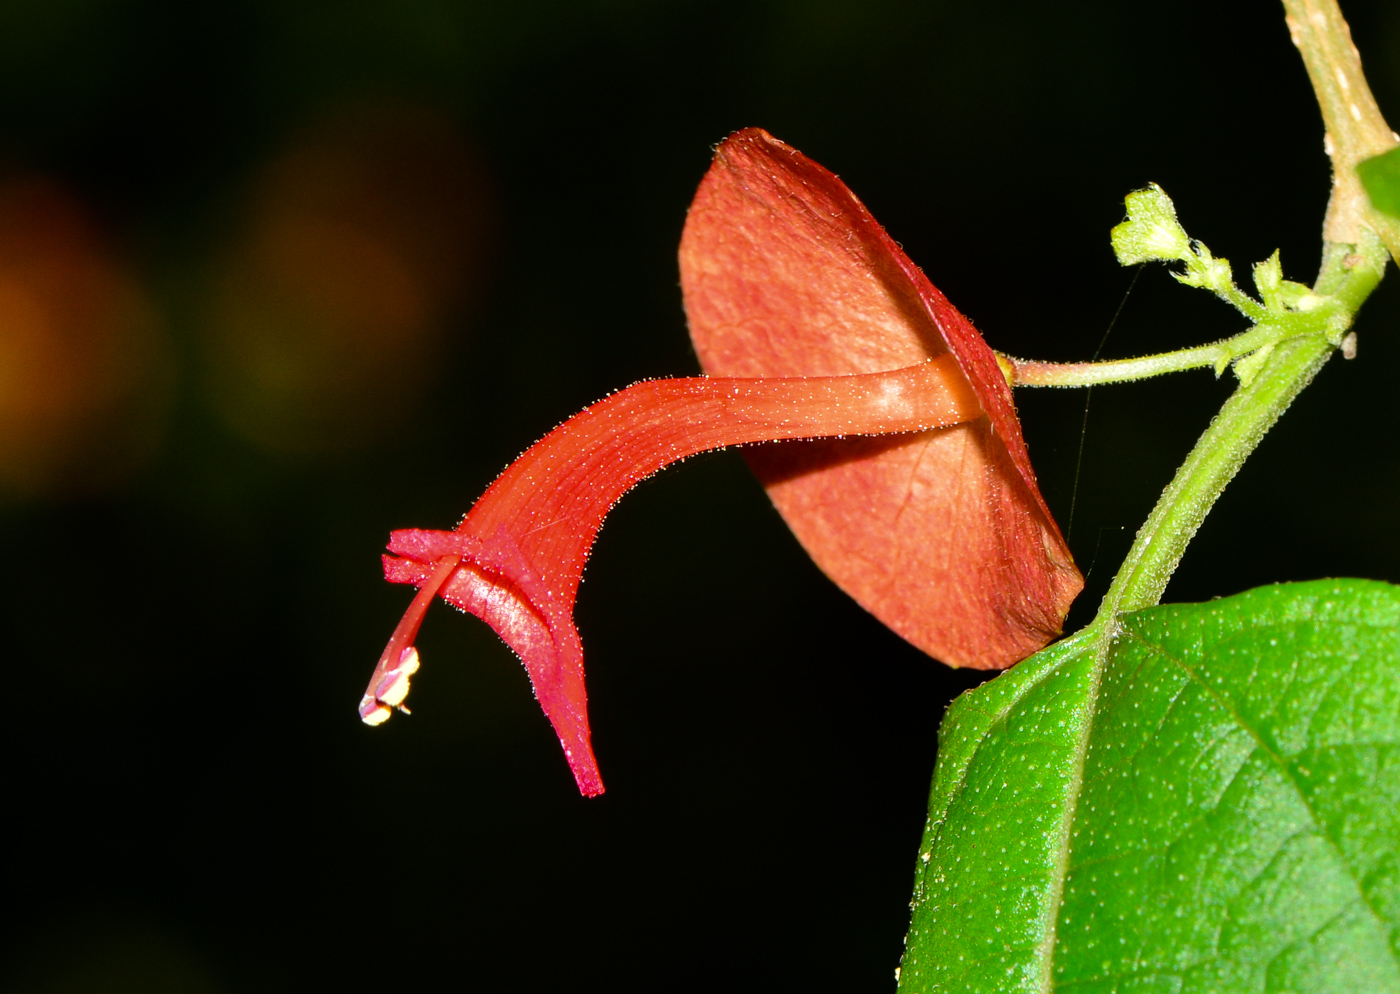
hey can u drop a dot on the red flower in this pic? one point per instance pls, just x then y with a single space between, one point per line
822 329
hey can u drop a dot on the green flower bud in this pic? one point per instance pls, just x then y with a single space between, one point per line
1152 232
1205 270
1268 279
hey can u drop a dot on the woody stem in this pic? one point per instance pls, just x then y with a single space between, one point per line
1356 130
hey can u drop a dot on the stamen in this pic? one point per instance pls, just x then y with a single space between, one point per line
388 685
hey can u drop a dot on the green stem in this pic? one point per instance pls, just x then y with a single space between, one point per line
1349 274
1354 258
1353 263
1218 455
1242 302
1033 373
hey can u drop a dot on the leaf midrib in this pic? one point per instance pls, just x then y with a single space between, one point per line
1059 867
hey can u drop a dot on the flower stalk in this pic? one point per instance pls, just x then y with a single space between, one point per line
1217 356
1284 310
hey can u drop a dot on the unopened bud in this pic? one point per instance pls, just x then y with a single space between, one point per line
1152 232
1268 280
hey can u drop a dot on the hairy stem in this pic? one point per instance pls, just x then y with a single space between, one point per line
1033 373
1355 237
1353 261
1349 274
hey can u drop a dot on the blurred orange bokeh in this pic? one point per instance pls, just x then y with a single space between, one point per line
84 371
360 243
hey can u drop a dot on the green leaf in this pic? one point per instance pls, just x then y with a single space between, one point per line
1380 175
1209 800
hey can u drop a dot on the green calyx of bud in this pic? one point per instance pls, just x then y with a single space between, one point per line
1152 233
1206 271
1247 367
1268 280
1283 310
1281 296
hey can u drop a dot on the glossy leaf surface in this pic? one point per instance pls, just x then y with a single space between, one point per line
1210 802
944 535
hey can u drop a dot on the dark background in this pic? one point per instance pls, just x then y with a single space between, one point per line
351 258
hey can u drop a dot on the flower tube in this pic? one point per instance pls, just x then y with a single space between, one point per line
515 561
